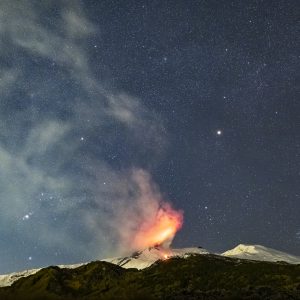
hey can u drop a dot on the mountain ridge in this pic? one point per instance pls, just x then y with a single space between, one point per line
195 276
260 253
147 257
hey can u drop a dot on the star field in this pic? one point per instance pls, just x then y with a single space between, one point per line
201 95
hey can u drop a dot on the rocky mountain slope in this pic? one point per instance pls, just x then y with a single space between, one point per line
194 276
145 258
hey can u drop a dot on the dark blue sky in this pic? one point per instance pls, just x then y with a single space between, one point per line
203 96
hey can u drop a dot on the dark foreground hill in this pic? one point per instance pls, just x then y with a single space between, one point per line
195 277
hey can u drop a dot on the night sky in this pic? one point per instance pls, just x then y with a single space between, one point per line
197 97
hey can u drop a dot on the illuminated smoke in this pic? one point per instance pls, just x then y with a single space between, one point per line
159 230
150 220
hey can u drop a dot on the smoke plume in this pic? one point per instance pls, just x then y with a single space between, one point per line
71 186
149 220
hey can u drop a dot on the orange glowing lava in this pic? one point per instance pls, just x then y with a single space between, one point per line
161 230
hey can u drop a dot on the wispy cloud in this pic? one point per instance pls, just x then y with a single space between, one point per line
56 131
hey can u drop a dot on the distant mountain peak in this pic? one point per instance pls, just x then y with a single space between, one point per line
258 252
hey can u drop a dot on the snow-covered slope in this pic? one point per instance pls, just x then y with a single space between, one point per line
147 257
137 260
9 279
257 252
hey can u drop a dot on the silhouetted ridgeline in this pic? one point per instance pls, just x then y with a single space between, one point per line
195 277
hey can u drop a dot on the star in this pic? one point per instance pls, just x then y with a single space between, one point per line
27 216
219 132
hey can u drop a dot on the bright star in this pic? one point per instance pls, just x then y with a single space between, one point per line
27 216
219 132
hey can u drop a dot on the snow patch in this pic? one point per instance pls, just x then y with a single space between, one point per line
143 259
261 253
